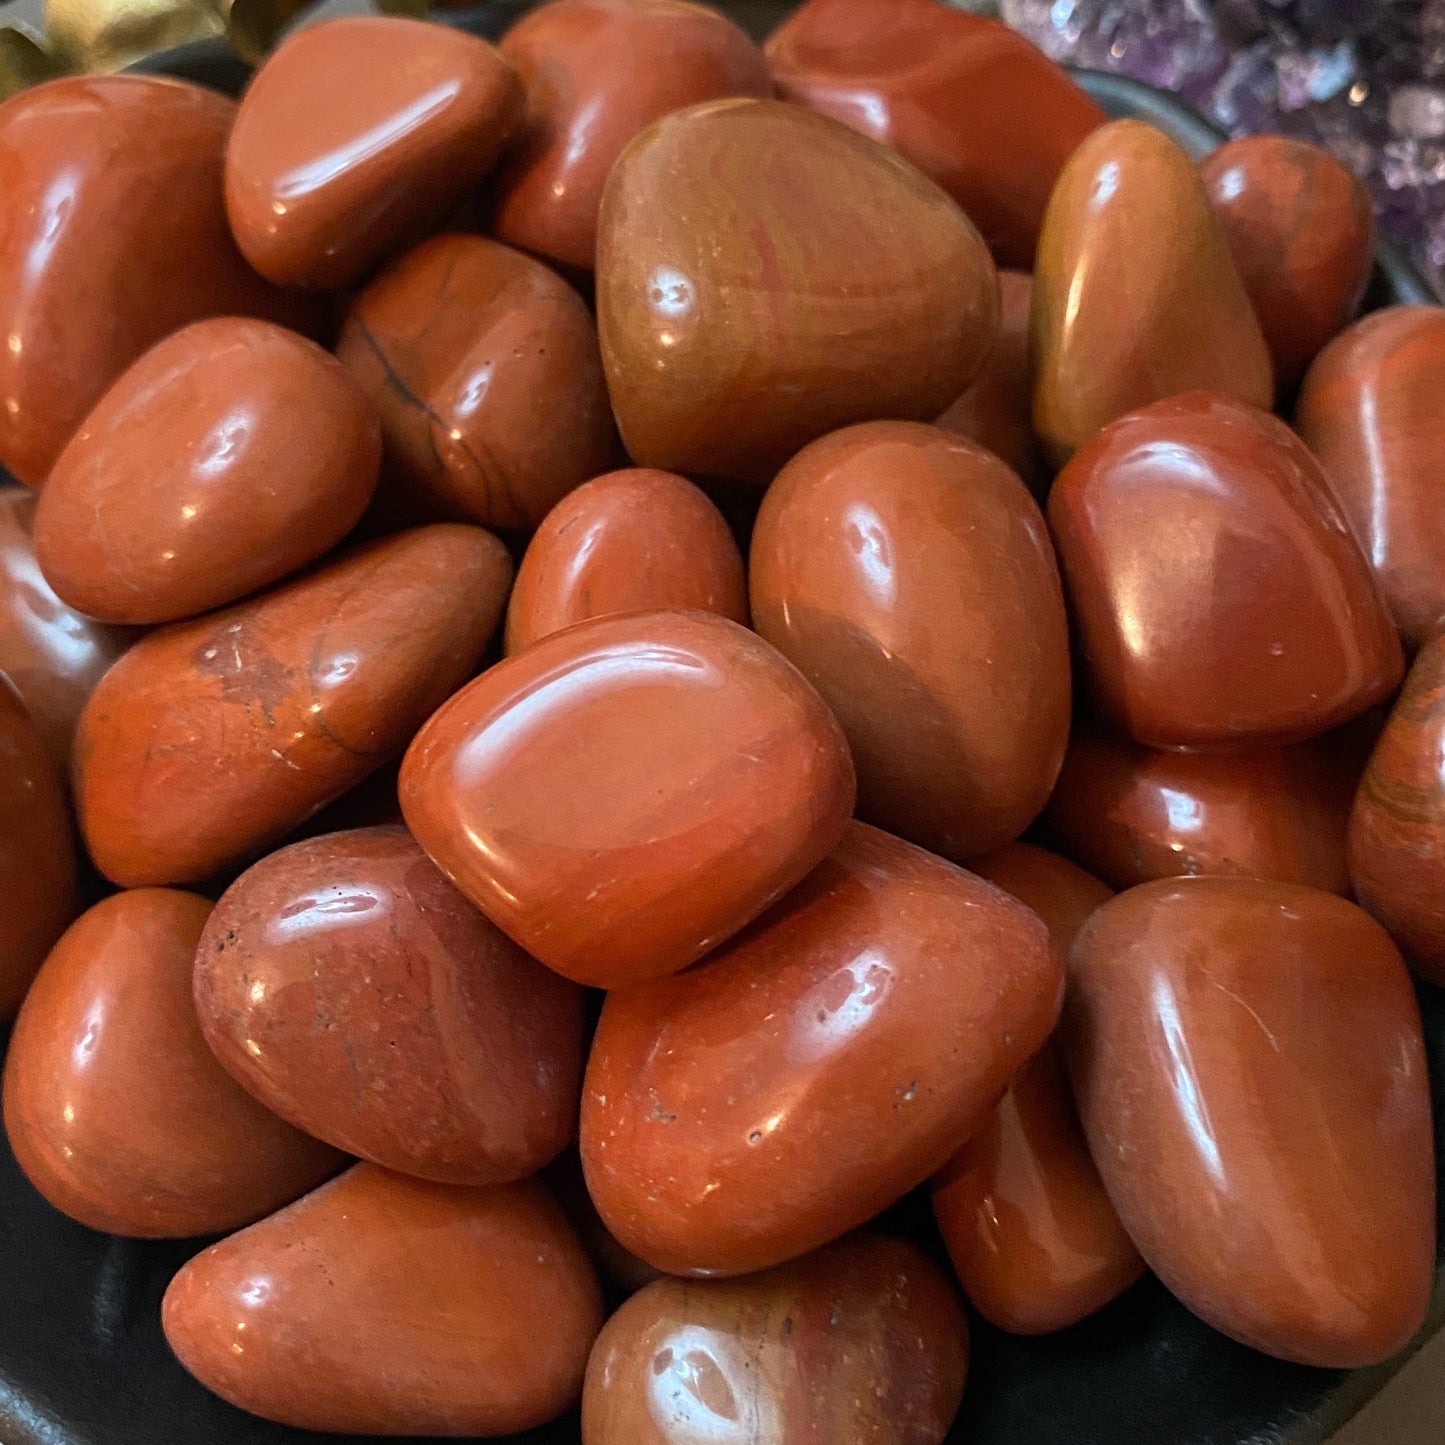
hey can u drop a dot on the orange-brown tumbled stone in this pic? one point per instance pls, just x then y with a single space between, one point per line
417 1308
1250 1072
1217 594
910 577
116 1109
37 852
1397 828
463 347
596 72
1132 814
1031 1233
1369 409
623 796
230 454
355 136
632 541
996 410
863 1340
115 235
1136 296
752 293
52 654
353 990
819 1066
974 105
213 738
1302 234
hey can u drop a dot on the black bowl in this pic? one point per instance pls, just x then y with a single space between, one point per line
83 1360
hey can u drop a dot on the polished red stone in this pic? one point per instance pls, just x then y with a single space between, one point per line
597 73
1250 1072
231 453
818 1067
1131 813
355 992
996 410
974 105
1397 829
909 576
1302 234
1136 297
212 739
52 654
1218 594
115 235
631 541
385 1305
37 852
753 294
1369 410
484 369
863 1340
115 1108
623 796
1031 1233
357 135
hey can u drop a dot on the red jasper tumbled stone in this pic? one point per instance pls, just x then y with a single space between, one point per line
355 136
973 104
623 796
352 989
909 575
819 1066
1369 410
1218 592
596 73
1249 1068
115 235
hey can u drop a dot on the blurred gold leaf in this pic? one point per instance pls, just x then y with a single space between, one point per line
253 25
24 61
111 34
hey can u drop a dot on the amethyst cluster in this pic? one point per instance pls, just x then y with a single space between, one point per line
1365 78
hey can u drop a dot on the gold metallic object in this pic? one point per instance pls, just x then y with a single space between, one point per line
111 34
23 61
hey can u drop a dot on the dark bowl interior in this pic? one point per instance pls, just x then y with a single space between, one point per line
83 1361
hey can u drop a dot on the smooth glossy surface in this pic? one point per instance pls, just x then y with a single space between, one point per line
355 136
996 410
1302 235
861 1341
1217 591
115 1107
1135 297
752 294
37 852
1249 1069
52 654
596 72
909 575
1132 814
353 990
230 454
1033 1238
1397 828
1031 1233
484 369
411 1307
631 541
113 209
1369 410
819 1066
622 797
974 105
213 738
